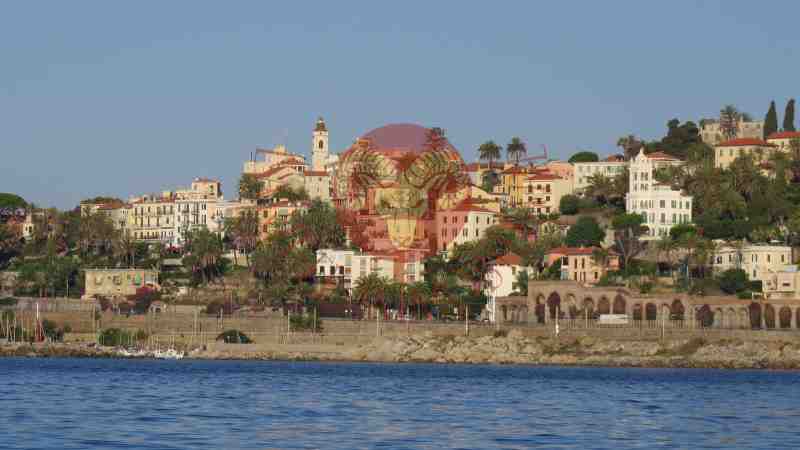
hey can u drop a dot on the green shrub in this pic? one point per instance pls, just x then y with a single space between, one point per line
305 323
569 204
744 295
114 337
234 337
732 281
8 301
646 287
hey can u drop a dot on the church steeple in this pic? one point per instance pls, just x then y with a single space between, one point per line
319 149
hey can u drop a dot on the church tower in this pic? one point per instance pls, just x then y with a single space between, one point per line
319 151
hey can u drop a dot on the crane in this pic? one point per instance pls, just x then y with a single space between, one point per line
543 156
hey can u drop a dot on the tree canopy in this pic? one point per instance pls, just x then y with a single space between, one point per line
584 156
585 233
770 120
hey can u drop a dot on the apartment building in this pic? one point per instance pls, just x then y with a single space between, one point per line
760 261
661 206
726 152
583 171
579 263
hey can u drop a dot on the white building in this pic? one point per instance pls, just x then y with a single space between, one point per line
585 170
348 266
660 205
500 280
760 261
466 222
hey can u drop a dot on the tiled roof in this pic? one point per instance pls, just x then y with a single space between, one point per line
742 142
572 250
543 177
662 156
315 173
509 259
468 206
785 135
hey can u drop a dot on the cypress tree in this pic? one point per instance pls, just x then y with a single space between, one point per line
788 117
771 121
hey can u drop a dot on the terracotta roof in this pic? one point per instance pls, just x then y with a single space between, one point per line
469 206
741 142
661 155
572 250
515 170
472 167
510 259
315 173
785 135
543 177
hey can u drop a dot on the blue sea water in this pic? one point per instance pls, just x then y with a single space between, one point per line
143 404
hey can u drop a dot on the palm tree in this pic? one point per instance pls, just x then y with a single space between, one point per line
520 284
666 246
600 187
526 218
729 120
489 151
417 293
516 149
125 248
629 145
370 289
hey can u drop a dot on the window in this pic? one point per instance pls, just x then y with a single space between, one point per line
322 270
662 204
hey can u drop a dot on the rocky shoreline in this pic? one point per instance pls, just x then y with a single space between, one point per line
510 349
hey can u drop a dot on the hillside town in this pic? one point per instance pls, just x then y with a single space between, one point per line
399 226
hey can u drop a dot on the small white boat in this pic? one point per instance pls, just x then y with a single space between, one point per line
169 353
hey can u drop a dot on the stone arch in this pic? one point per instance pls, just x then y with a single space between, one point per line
619 305
650 312
539 309
603 306
769 316
754 311
719 318
573 312
731 318
677 310
637 311
588 307
744 317
705 316
554 304
504 313
785 317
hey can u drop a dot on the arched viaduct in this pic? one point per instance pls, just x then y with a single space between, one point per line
571 300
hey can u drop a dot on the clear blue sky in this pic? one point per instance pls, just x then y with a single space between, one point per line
119 98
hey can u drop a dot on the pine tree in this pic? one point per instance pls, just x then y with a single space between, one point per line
771 121
788 117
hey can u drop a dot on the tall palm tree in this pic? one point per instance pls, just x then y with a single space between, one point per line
526 218
370 289
516 149
418 292
489 151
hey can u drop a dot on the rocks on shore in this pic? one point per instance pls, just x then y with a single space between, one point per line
511 349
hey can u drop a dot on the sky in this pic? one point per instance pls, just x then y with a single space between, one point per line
126 98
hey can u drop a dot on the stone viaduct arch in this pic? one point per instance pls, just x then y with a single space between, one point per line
572 300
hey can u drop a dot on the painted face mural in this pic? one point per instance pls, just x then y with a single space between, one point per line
393 177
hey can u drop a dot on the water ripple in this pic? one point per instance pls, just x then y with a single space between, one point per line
117 404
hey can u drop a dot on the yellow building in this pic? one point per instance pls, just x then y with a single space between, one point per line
118 282
726 152
152 218
512 182
543 190
783 140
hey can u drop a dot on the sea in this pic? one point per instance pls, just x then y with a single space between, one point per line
190 404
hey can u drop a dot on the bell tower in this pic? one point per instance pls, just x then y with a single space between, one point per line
319 149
